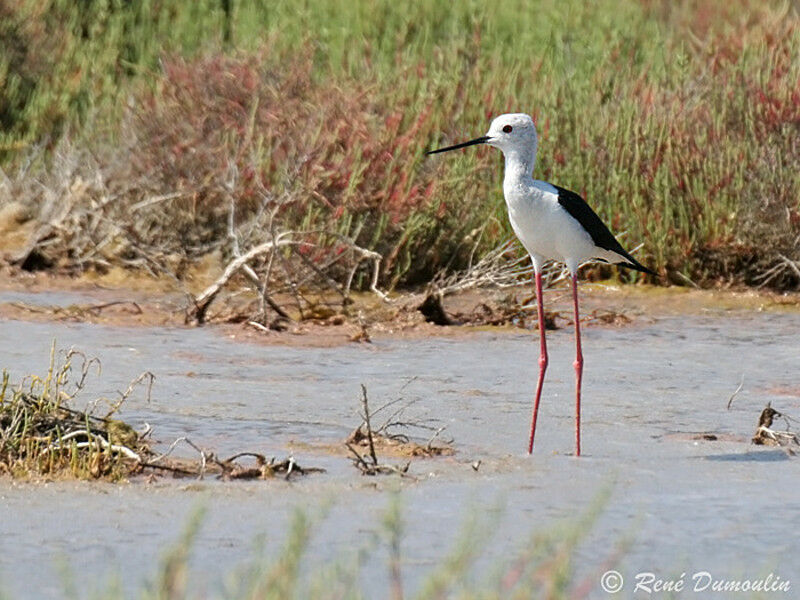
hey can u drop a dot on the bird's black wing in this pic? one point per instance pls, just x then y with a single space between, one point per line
601 236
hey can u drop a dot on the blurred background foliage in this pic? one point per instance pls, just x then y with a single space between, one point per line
679 122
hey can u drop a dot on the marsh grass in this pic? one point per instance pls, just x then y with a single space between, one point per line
679 122
41 436
544 566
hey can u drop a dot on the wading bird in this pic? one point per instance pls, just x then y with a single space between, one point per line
553 224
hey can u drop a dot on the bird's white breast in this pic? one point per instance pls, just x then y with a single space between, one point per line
543 226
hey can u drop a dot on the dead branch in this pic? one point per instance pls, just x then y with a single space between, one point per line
96 308
203 456
78 311
366 437
502 267
365 407
206 297
364 254
42 435
264 469
227 469
94 441
260 286
781 266
58 205
436 433
379 468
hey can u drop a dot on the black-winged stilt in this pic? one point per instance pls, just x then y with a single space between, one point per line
553 224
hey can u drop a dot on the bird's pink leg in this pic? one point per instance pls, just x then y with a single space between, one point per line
542 356
578 364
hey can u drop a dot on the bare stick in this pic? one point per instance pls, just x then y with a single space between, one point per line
685 279
262 290
738 389
158 199
258 326
172 447
376 267
434 436
260 458
791 264
123 396
170 468
785 263
365 405
94 442
360 462
148 429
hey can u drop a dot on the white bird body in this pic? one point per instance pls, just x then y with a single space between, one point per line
552 223
545 230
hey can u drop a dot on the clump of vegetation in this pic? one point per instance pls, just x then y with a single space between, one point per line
164 135
41 435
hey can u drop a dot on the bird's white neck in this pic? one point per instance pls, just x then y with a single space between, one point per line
519 165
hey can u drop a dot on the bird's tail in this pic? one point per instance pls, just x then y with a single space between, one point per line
634 264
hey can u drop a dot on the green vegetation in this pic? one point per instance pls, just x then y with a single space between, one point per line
679 122
543 567
41 436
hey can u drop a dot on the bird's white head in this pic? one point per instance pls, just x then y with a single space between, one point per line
514 134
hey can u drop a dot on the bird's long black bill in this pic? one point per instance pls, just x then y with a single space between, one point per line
480 140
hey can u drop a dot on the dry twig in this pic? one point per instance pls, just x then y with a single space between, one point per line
738 389
370 439
502 267
206 297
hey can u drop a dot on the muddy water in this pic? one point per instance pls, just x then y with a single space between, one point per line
684 505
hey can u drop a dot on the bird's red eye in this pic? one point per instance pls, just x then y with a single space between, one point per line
507 129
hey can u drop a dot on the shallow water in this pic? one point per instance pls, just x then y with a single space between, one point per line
685 505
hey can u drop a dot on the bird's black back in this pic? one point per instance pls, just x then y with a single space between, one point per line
601 236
